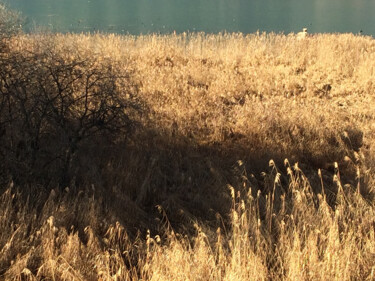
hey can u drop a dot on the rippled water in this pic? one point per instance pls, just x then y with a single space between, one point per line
165 16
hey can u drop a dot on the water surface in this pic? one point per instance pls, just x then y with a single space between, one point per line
212 16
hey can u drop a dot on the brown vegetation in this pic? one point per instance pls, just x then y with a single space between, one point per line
148 157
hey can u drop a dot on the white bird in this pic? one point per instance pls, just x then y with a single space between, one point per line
303 34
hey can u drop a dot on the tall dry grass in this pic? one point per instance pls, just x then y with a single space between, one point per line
215 110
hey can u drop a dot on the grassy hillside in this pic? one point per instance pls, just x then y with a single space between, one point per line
187 157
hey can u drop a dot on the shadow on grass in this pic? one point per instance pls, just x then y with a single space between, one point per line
79 123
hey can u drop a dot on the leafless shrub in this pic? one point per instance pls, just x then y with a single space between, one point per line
50 105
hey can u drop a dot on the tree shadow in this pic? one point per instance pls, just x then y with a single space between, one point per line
78 123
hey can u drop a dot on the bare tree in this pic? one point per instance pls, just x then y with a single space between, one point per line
51 107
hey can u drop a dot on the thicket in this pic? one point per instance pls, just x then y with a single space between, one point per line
52 105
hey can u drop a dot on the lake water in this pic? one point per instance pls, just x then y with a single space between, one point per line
212 16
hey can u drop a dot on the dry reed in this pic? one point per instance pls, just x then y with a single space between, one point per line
217 108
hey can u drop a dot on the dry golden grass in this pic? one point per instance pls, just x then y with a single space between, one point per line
216 109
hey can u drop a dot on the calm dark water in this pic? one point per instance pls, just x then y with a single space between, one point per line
212 16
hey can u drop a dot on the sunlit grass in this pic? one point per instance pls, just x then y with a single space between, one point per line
217 108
